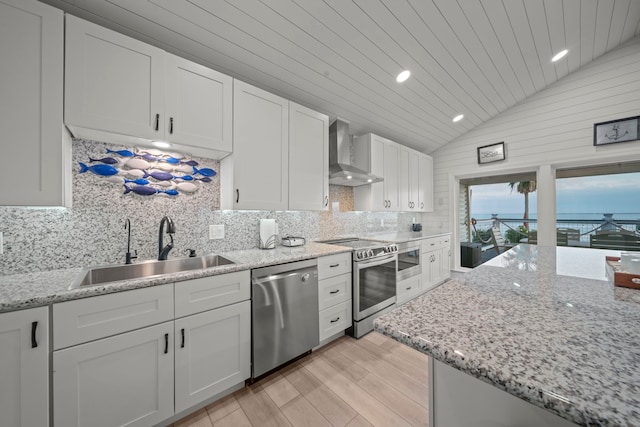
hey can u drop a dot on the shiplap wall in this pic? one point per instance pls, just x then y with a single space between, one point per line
552 128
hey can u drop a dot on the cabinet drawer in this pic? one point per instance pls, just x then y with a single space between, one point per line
88 319
334 290
407 289
334 265
195 296
335 319
430 244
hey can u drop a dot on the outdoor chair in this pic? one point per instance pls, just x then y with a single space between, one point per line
499 244
562 237
616 240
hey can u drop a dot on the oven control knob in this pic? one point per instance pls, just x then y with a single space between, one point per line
370 253
361 254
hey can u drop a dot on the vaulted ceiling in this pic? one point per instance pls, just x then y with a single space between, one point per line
341 57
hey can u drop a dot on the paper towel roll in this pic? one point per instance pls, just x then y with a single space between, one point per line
267 234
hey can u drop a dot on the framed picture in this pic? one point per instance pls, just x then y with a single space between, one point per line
491 153
621 130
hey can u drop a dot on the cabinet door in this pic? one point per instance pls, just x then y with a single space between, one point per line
378 193
445 267
212 353
308 159
24 367
436 267
425 190
113 83
198 105
123 380
391 175
260 165
409 180
31 78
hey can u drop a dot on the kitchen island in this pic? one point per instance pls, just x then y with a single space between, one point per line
543 324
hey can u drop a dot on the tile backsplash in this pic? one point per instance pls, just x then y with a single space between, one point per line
92 231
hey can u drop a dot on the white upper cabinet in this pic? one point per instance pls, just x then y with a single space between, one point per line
381 157
308 159
113 83
31 84
198 106
121 89
425 191
256 175
409 180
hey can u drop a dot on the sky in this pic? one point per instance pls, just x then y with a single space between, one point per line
595 194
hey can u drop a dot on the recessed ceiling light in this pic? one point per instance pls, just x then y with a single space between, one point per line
403 76
369 180
349 177
161 144
559 55
458 118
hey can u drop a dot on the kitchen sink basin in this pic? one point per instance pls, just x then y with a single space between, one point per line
113 273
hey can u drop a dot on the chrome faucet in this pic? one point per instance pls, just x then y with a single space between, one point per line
163 251
128 256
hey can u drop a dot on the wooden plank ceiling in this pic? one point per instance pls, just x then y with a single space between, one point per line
341 57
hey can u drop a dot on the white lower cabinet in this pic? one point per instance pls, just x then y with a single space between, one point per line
408 289
122 380
123 359
24 368
213 353
436 261
334 294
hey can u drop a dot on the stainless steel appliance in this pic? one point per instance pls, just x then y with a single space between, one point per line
284 313
374 281
408 261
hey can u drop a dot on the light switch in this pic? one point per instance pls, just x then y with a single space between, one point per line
216 232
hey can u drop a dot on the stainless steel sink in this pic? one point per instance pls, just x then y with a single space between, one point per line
113 273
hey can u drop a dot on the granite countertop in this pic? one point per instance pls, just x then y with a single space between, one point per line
21 291
405 236
542 323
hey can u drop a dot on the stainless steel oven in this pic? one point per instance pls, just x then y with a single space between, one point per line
375 266
408 261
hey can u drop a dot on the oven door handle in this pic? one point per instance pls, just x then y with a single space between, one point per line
377 261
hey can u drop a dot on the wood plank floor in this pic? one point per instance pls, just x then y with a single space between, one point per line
373 381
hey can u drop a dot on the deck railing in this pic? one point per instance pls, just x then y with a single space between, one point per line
510 227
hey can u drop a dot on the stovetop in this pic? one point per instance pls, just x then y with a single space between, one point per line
364 249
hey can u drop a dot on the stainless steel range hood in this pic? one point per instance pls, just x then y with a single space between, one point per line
341 172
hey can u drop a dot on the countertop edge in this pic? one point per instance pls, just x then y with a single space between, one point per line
60 280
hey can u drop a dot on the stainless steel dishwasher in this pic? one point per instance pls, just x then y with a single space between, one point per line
284 313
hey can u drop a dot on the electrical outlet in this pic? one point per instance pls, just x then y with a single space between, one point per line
216 232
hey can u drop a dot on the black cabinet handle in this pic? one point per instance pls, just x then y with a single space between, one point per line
237 195
157 127
335 320
335 292
326 200
334 265
166 343
408 289
34 326
422 205
182 333
171 125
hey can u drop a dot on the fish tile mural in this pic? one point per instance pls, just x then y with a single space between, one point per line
148 171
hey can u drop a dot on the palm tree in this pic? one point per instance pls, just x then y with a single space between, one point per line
524 187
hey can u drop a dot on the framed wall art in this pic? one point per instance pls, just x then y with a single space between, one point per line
491 153
614 131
